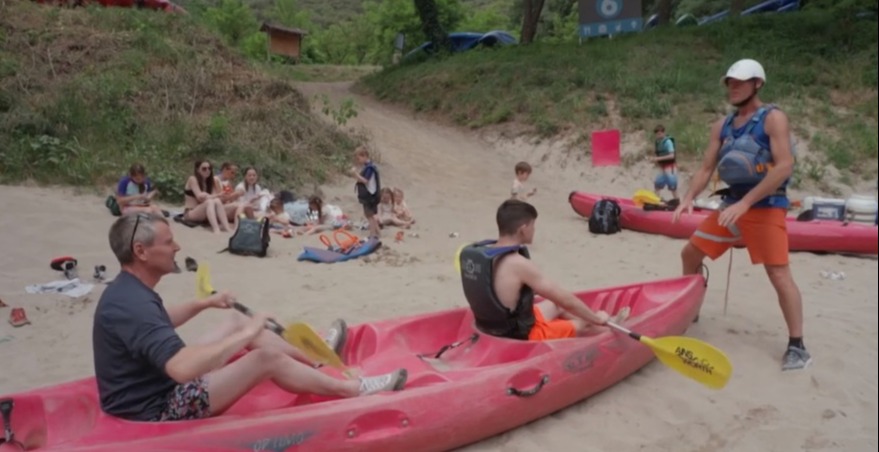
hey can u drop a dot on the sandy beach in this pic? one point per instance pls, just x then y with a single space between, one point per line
452 177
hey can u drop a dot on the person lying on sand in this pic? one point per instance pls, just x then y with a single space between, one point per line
500 282
146 372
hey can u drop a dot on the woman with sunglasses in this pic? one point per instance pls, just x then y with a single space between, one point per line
203 198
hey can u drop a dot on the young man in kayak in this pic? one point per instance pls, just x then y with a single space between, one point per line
752 152
146 372
500 282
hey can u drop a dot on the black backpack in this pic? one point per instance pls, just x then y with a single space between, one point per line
251 238
605 218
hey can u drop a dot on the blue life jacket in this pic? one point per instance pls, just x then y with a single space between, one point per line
661 151
745 158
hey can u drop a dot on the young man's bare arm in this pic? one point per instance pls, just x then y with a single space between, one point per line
531 276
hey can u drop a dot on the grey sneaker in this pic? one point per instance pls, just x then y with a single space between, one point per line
393 381
795 358
336 336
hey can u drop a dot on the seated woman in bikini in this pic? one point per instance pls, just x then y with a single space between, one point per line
203 198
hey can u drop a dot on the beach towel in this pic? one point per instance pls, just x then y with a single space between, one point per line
328 256
72 288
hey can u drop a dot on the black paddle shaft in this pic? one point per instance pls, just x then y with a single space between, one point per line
271 325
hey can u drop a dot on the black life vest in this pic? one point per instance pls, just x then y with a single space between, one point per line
477 263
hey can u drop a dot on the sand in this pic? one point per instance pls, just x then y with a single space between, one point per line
453 177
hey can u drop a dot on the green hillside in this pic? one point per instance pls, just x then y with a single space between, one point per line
86 92
821 71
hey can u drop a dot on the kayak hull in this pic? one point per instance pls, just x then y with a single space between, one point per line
482 388
814 236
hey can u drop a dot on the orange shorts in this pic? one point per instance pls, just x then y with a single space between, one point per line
554 329
763 231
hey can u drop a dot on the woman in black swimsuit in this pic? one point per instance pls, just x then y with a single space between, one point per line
203 198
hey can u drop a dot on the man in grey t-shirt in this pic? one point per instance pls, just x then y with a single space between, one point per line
146 372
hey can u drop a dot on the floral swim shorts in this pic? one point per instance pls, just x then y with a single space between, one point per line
187 401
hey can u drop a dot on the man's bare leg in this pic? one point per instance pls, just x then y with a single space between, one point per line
227 385
266 339
691 259
791 302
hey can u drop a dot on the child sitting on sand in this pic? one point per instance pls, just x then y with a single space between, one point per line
323 217
386 215
401 210
278 218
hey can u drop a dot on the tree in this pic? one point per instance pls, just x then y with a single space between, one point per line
664 9
530 19
431 26
736 7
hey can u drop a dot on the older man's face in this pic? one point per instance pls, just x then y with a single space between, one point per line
160 256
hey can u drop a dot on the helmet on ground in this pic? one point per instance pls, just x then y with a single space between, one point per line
746 69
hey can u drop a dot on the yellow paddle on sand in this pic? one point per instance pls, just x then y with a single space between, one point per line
299 334
691 357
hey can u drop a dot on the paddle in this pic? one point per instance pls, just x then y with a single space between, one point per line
691 357
299 334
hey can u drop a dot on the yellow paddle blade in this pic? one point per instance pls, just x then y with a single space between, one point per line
458 258
306 339
692 358
642 197
203 286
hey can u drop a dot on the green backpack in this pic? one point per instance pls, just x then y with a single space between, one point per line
113 206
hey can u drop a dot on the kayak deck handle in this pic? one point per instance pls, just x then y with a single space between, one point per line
472 339
529 392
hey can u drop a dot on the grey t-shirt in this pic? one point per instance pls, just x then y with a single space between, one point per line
133 338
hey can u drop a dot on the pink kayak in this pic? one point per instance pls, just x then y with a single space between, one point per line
484 386
814 235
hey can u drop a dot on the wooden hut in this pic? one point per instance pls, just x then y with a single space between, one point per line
284 41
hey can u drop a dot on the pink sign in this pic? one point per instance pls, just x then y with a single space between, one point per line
606 148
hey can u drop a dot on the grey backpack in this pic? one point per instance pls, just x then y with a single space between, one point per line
251 238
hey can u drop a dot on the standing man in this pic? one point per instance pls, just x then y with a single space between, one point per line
752 152
665 158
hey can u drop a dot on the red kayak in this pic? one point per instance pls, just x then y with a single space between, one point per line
483 387
815 235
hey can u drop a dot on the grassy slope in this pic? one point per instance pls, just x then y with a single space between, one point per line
825 77
84 93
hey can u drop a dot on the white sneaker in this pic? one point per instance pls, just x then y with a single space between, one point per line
393 381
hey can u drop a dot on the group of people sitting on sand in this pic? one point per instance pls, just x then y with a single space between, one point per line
214 199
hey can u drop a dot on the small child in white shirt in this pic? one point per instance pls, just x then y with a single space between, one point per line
523 172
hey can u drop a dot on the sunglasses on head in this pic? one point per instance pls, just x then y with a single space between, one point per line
134 230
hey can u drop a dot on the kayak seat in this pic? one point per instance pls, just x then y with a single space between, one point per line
615 300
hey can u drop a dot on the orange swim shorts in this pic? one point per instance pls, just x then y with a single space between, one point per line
554 329
762 230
